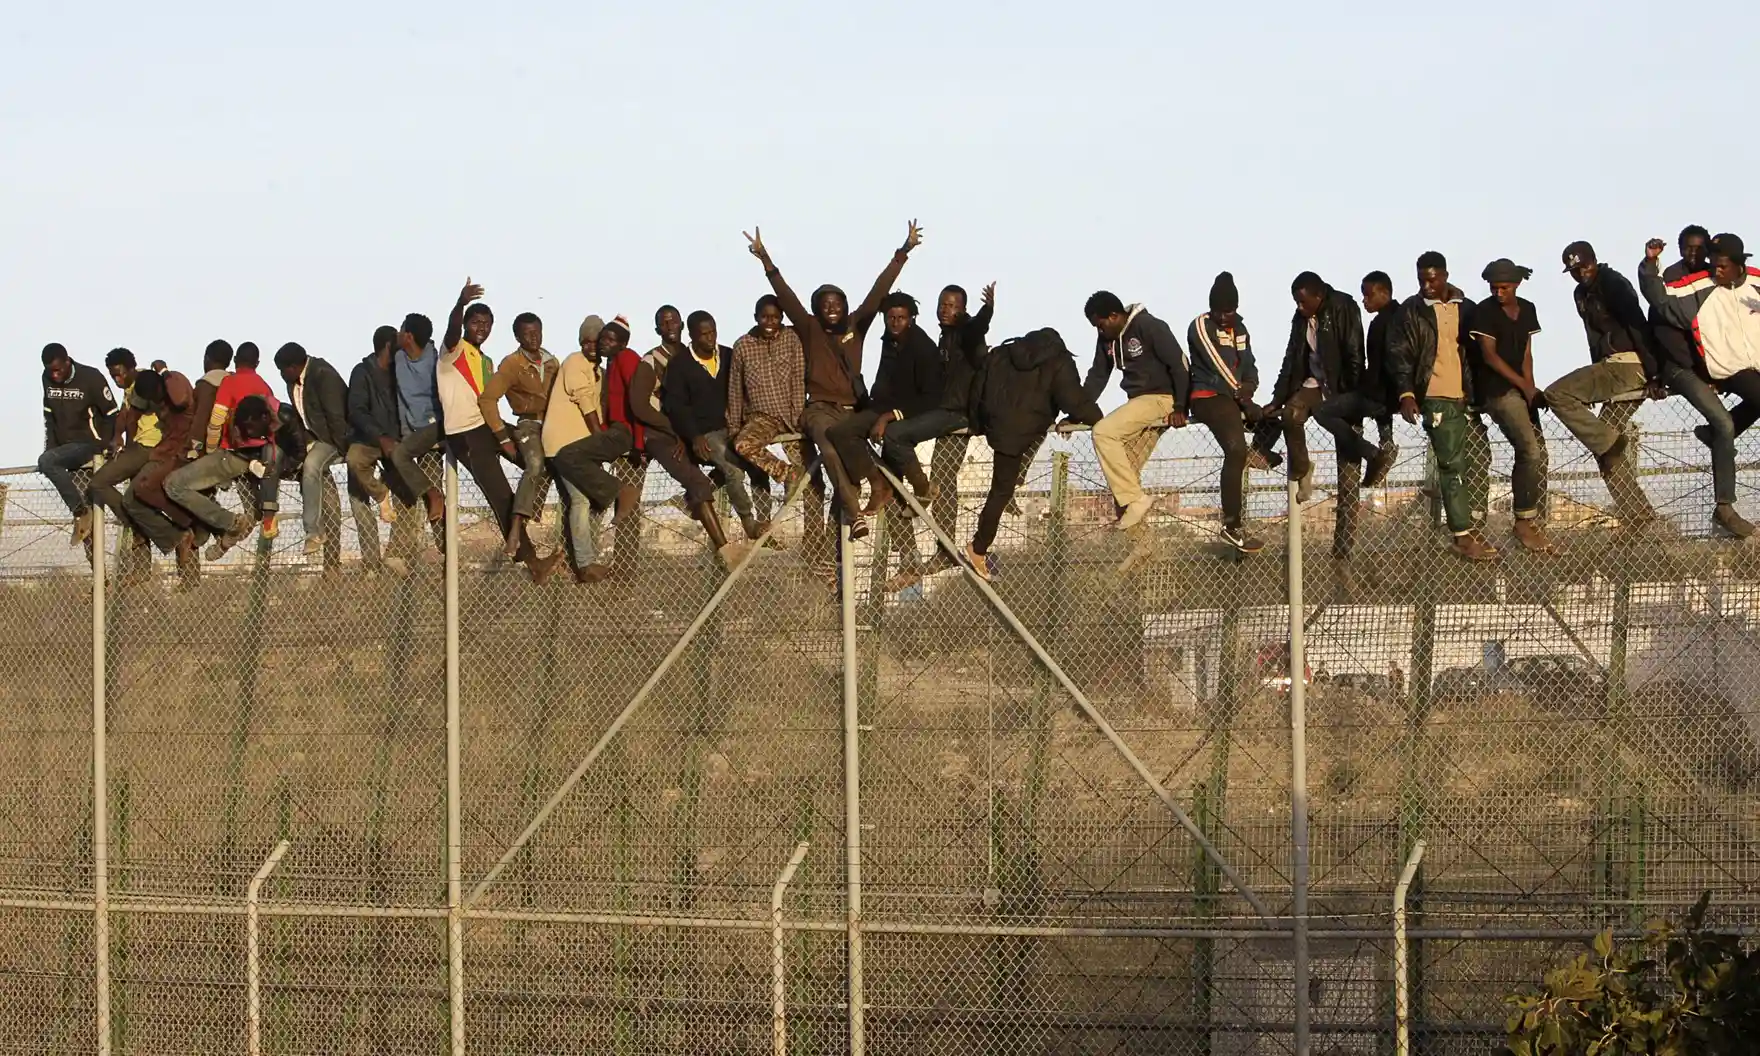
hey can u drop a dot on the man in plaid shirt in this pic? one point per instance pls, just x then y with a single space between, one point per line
766 389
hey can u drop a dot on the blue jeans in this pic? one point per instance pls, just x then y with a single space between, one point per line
734 468
1722 425
899 449
582 524
58 464
216 469
314 477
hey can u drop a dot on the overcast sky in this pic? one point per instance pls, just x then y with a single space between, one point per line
179 172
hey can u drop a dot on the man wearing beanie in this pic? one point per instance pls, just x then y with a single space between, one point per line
1502 357
1223 379
1720 308
578 441
1427 355
1322 377
1620 362
1152 372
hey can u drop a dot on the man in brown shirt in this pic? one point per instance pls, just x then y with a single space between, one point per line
831 337
524 378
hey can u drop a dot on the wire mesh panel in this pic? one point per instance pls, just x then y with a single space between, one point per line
1572 734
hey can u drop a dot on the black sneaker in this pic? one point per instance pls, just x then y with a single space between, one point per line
1240 540
1375 473
1731 523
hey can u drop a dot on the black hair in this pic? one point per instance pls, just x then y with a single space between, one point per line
1103 304
1308 282
419 327
383 338
119 356
525 317
291 354
149 386
1379 278
251 416
662 310
698 316
248 355
961 290
1693 229
479 308
1432 259
53 351
217 356
899 299
769 299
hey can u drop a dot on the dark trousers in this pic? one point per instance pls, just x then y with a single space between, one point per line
479 453
1222 415
850 437
1005 475
899 449
582 464
1723 424
121 466
675 457
817 421
59 464
1292 425
1342 415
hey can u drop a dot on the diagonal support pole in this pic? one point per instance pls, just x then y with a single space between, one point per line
634 705
1076 694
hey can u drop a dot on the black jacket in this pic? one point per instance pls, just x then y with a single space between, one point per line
1411 346
962 350
1340 343
911 377
78 409
1147 355
1614 319
1022 387
1377 383
325 415
372 403
694 402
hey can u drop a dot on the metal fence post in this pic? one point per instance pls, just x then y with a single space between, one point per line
253 955
778 963
100 791
1402 999
1298 782
852 788
454 823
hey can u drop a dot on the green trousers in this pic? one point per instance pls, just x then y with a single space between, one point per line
1446 423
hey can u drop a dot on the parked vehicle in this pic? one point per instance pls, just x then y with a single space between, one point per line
1368 684
1547 680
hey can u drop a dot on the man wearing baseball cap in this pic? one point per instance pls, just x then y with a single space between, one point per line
1620 362
1720 309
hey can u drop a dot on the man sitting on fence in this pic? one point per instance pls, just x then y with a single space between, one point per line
1620 361
1152 372
246 448
78 420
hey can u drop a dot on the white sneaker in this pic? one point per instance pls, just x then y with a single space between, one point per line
1135 512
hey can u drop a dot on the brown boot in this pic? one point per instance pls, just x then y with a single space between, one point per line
542 568
879 492
705 512
920 486
1532 537
629 501
436 505
1473 547
517 539
593 574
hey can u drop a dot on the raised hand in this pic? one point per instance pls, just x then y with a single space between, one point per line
1654 248
755 243
914 238
989 295
471 292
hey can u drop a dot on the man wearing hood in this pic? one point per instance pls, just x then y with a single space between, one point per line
1502 358
831 337
1224 377
908 387
1018 393
1428 351
1152 369
523 378
1620 361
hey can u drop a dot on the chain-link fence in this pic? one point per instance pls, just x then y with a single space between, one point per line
711 811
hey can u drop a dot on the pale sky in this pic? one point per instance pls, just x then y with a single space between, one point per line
179 172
